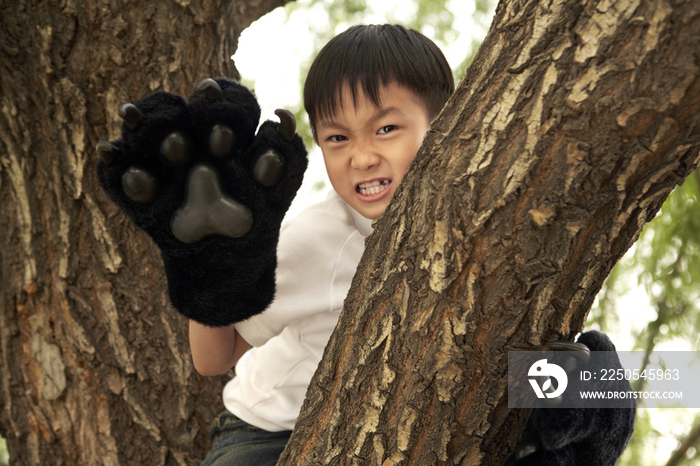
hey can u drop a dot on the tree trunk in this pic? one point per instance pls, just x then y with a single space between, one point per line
95 364
572 125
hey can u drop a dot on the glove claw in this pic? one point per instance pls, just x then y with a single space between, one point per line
130 114
288 124
107 152
554 402
526 447
571 355
209 88
578 351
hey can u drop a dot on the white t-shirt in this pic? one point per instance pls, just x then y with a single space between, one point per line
317 255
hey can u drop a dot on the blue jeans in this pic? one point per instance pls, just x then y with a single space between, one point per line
237 443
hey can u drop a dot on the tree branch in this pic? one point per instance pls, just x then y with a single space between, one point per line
690 440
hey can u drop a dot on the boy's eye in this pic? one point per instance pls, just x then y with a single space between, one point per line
337 138
386 129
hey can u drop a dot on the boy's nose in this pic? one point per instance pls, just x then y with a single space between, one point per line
364 158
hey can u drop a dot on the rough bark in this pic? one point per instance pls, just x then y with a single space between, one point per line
95 364
572 125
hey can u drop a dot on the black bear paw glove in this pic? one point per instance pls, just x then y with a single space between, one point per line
209 191
577 436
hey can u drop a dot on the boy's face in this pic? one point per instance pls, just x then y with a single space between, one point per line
368 148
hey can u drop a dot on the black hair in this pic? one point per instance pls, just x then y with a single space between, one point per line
367 57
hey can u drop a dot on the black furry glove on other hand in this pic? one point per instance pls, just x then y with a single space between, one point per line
209 191
579 436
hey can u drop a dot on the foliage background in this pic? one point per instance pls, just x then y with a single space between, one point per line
3 453
651 299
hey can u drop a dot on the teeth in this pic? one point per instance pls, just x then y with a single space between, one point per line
374 187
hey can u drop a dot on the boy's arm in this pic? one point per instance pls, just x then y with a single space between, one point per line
215 350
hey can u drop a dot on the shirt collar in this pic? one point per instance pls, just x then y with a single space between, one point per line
363 224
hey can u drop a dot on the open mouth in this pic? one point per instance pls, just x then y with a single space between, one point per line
373 187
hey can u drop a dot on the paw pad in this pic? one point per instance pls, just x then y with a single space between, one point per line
221 140
207 210
269 167
140 185
176 149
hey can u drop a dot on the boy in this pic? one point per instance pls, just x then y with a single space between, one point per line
371 95
369 133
